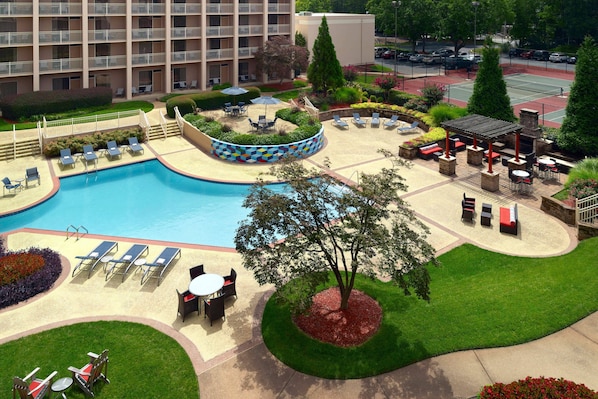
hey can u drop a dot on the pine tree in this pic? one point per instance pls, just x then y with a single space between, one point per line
490 96
578 132
325 70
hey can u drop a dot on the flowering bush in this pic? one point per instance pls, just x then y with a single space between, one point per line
418 104
433 93
16 266
350 73
387 82
432 136
583 188
538 388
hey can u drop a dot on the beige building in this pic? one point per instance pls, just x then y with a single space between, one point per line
352 34
135 46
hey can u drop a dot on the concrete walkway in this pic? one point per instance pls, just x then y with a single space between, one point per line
230 358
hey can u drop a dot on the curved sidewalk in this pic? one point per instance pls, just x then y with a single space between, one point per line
233 351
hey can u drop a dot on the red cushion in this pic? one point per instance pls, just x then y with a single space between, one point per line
228 282
86 369
432 150
34 384
189 297
505 217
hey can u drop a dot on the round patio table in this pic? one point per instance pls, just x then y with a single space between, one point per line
206 284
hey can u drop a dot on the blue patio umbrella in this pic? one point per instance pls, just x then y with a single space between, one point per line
266 100
234 91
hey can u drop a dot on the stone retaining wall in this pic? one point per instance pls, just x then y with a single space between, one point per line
559 210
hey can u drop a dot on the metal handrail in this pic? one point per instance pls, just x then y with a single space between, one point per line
76 231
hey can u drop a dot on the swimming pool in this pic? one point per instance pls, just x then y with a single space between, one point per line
144 201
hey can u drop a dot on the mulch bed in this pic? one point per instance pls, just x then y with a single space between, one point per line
351 327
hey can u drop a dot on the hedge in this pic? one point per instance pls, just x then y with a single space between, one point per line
98 140
23 106
207 100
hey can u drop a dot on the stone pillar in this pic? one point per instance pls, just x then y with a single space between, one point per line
490 181
475 155
517 165
528 118
447 166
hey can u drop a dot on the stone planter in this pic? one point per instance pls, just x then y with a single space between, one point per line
408 153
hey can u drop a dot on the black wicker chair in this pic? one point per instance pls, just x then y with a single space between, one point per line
214 308
230 284
187 303
196 271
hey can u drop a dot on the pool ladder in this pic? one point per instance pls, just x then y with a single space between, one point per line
72 230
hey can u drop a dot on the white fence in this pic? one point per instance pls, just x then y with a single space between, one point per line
587 209
91 124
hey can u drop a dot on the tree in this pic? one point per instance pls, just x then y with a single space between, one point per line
313 5
331 226
325 70
578 132
279 56
489 97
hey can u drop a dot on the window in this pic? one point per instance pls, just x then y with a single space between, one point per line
244 68
101 23
272 19
243 19
243 42
60 84
145 48
8 54
8 24
179 74
59 24
145 22
103 80
179 21
179 45
145 78
214 71
59 52
103 50
8 88
214 20
214 44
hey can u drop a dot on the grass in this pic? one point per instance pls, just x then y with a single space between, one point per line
288 95
143 362
480 299
114 107
362 78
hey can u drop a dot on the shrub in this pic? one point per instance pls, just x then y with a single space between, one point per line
583 188
350 73
97 140
185 104
347 95
298 83
433 93
16 266
445 112
432 136
586 169
538 388
210 100
417 104
401 98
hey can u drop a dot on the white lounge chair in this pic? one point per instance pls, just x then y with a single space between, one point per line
392 121
406 129
357 120
339 122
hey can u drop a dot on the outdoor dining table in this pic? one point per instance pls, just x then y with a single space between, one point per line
547 162
522 174
263 123
206 284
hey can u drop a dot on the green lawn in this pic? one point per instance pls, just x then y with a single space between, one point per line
479 299
143 362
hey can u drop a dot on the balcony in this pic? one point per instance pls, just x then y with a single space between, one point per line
16 38
185 33
219 31
106 9
111 61
247 51
148 9
186 56
148 34
61 65
213 8
246 8
220 54
185 8
107 35
15 68
16 9
59 9
147 59
59 36
279 29
245 30
279 8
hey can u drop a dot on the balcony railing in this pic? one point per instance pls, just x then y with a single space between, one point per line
16 8
60 36
226 53
107 35
147 59
60 8
61 65
219 31
106 9
14 68
251 29
185 8
247 51
250 8
110 61
148 34
279 8
182 33
15 38
146 9
281 29
219 8
186 56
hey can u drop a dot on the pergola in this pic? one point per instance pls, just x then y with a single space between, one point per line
483 128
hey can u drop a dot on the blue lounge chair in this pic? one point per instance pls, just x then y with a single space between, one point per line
90 260
339 122
66 158
357 120
89 153
161 263
392 121
31 174
124 263
10 186
112 149
375 119
406 129
134 145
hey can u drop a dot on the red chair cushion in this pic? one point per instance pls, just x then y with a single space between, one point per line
34 384
86 369
505 217
189 297
228 282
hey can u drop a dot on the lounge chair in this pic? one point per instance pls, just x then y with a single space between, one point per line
34 389
124 263
375 119
392 121
31 174
113 150
95 370
338 122
66 158
193 84
406 129
10 186
161 263
89 154
120 92
134 145
357 120
90 260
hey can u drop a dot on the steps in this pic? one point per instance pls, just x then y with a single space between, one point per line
24 148
156 132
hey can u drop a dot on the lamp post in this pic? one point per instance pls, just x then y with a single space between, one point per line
396 5
475 5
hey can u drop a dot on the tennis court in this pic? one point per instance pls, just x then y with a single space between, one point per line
545 94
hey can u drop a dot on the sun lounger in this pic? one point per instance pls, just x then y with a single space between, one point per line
375 119
89 154
66 157
124 263
357 120
112 149
91 260
392 121
160 264
339 122
409 128
134 145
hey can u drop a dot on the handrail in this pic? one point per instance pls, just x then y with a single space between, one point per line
76 231
163 124
179 120
14 142
82 227
144 123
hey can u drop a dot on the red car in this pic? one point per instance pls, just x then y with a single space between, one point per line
388 54
527 54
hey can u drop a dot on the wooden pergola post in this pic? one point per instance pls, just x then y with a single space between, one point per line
490 156
517 138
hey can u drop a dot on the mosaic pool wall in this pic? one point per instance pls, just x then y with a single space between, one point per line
266 153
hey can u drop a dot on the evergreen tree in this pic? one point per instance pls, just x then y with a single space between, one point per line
490 96
325 70
578 132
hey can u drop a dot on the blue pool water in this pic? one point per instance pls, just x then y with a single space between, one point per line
144 200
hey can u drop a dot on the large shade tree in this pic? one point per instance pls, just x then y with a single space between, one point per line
578 132
293 238
278 56
325 70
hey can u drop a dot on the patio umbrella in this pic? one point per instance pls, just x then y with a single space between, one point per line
234 91
266 100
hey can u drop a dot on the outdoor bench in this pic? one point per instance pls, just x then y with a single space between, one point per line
509 220
427 151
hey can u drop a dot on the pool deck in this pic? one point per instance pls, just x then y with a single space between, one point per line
233 350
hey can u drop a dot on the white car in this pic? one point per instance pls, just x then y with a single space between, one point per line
557 57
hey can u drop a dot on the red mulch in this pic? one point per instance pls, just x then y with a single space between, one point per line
351 327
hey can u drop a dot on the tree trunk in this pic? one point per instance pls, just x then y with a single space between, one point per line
345 299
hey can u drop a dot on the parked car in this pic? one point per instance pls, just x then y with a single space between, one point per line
557 57
541 55
389 54
416 58
527 54
378 51
516 52
404 56
432 59
572 60
457 63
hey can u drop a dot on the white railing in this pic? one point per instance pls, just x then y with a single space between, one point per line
179 120
587 209
163 124
310 108
90 124
144 123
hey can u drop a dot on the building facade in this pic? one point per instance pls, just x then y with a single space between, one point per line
135 46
